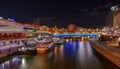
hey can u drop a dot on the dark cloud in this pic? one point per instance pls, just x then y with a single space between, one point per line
89 12
104 6
100 9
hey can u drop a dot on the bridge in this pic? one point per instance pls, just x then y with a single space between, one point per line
72 35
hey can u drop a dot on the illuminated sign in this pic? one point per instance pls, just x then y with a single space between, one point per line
1 17
10 19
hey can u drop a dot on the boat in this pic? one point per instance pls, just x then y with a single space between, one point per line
26 50
14 36
58 40
45 46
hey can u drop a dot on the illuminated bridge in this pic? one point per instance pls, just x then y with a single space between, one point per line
72 35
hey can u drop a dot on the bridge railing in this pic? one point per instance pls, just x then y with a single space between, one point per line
60 35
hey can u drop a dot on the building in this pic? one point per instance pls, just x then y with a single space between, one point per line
113 17
36 21
109 19
116 22
71 28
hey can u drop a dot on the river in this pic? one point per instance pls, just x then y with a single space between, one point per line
70 55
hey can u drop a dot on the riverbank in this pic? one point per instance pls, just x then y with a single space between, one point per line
112 53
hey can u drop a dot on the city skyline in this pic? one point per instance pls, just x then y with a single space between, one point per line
60 13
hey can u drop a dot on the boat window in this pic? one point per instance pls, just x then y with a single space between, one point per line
9 50
15 41
11 41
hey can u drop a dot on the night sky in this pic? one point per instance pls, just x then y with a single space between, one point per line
85 13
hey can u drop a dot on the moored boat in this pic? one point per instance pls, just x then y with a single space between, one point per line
45 46
58 40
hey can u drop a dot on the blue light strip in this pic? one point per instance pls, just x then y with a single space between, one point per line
59 35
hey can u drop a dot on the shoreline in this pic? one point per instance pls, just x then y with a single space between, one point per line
109 52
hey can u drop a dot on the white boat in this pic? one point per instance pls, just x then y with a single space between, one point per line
57 40
45 46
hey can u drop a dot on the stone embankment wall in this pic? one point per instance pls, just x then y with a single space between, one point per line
111 53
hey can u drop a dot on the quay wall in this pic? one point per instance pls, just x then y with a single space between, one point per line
111 53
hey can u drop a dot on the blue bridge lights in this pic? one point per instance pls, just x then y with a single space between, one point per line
71 35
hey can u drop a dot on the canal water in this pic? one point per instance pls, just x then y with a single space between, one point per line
70 55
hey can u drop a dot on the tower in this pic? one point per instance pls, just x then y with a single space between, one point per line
109 19
113 18
116 19
36 21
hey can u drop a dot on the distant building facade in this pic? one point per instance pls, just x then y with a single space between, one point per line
116 22
113 18
36 21
71 28
109 19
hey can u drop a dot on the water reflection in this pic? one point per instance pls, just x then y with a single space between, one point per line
70 55
12 63
86 59
76 55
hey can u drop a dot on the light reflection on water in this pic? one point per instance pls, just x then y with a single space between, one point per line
70 55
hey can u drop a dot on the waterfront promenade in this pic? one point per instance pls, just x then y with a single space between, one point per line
112 53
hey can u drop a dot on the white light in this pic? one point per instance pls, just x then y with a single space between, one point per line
39 36
67 40
1 17
119 38
103 33
23 65
22 48
23 61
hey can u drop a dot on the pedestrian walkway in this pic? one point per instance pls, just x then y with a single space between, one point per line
112 43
